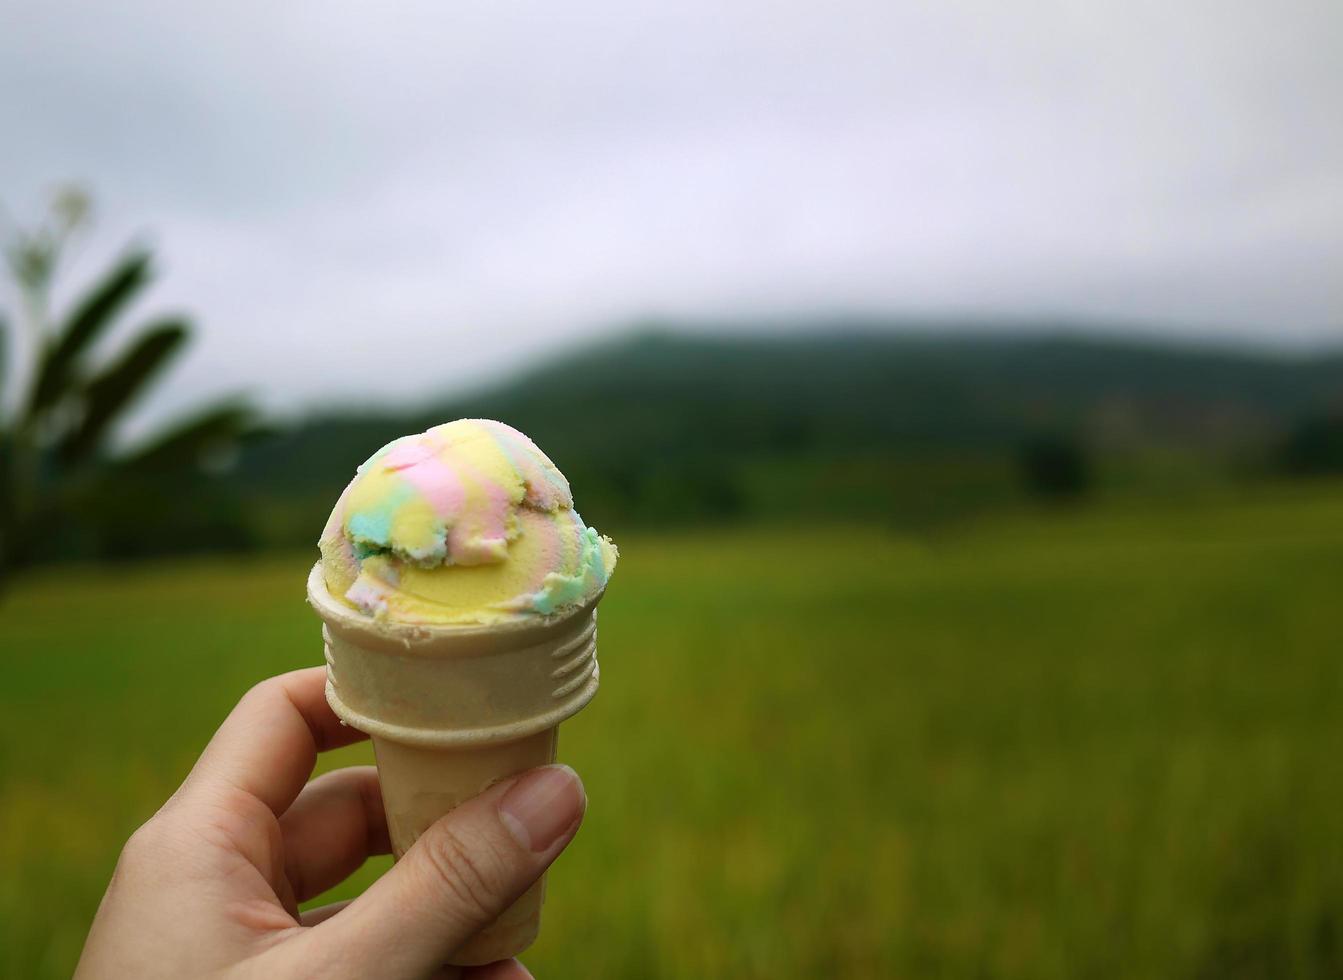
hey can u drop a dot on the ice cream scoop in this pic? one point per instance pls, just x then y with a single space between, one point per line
458 593
467 523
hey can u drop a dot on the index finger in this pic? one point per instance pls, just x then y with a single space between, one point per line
268 744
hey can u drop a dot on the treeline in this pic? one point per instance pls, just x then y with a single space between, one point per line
668 429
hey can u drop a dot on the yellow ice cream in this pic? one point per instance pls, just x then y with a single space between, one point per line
467 523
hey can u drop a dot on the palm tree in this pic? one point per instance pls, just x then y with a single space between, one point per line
54 436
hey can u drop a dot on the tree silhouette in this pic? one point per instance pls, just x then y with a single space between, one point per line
1055 468
55 454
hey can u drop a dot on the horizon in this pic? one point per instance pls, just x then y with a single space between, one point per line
1080 333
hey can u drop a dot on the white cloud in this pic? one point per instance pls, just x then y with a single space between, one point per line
365 200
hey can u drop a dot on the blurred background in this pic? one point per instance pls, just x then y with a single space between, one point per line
963 385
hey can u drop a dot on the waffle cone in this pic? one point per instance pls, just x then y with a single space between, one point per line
452 710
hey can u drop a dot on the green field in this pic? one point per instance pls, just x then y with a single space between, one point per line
1107 744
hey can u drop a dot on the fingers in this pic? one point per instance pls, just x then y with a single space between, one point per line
336 822
457 878
268 744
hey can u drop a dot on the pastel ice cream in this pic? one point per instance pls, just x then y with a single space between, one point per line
468 523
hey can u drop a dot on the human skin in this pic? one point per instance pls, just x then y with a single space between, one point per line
210 885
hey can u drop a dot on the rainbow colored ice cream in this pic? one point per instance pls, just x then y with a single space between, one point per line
468 523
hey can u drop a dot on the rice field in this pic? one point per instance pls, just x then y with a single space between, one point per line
1099 744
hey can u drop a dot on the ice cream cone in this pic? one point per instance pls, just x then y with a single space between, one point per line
454 709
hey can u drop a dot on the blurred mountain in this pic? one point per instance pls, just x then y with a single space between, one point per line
665 427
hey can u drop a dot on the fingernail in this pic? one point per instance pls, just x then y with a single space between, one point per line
542 805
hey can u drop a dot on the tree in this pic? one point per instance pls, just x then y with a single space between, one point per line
55 452
1314 447
1055 468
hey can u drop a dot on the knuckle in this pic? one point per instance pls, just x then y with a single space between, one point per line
469 870
142 843
141 857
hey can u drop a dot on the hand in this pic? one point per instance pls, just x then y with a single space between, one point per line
210 886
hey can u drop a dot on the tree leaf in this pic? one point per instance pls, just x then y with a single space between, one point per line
116 388
32 260
91 316
184 445
4 368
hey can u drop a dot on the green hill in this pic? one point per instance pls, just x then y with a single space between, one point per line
674 427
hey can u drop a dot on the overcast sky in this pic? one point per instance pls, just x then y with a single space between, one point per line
379 199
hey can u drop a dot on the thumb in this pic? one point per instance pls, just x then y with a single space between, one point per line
457 878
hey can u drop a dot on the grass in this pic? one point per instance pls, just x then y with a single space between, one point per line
1106 744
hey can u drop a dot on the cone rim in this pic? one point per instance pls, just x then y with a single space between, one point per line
459 738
